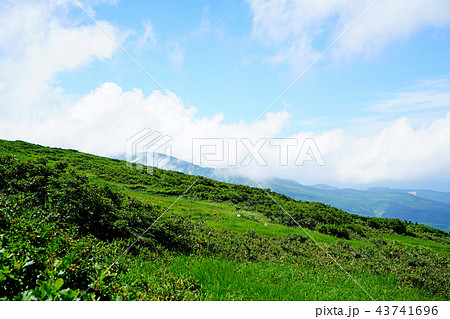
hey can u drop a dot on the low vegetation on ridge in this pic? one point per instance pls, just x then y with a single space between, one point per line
66 217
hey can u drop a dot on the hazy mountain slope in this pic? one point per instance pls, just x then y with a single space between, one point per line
381 203
68 218
423 206
427 194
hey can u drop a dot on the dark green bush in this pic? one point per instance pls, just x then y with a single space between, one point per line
60 231
335 230
397 226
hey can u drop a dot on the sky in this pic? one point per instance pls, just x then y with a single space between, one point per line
358 90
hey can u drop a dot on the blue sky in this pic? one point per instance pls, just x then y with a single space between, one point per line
383 86
225 70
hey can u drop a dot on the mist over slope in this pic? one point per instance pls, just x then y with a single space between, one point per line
422 206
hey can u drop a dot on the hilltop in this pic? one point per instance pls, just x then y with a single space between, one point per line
66 218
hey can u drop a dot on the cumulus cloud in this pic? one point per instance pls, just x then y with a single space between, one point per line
36 43
299 29
39 41
102 121
399 152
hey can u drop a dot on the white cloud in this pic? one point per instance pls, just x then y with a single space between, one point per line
208 27
389 21
148 39
432 94
102 121
399 152
176 56
411 101
36 43
299 29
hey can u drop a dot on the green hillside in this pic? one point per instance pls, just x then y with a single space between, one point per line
75 226
423 206
426 207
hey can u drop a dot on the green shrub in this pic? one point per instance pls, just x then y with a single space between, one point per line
358 229
335 230
397 226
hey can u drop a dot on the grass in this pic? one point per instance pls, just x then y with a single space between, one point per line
200 249
221 279
223 216
440 247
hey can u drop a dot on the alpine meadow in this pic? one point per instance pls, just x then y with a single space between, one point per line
80 227
238 158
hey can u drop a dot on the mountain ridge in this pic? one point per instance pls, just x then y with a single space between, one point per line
428 207
174 236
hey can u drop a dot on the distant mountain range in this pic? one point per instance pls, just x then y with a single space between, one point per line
423 206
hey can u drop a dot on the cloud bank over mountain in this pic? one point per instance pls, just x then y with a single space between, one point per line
36 109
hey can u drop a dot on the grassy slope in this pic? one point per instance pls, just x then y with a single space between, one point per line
248 261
